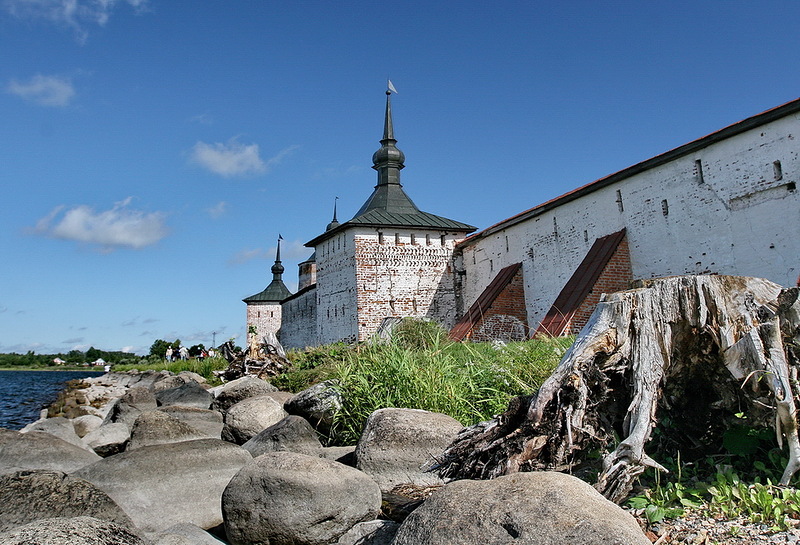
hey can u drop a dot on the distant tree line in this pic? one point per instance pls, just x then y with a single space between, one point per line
72 358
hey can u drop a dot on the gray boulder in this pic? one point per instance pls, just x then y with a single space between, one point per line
162 485
140 397
250 417
86 423
60 427
122 412
26 496
38 450
317 404
398 443
281 396
167 382
158 428
286 497
539 508
231 393
71 531
184 534
343 455
189 376
293 433
109 439
205 421
190 394
373 532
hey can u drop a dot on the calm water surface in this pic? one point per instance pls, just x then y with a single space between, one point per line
23 394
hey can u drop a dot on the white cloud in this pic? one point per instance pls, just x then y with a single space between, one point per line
74 14
233 158
44 90
218 210
118 227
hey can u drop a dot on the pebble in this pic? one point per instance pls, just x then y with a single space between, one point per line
697 528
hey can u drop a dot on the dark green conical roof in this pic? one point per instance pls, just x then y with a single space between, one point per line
277 290
389 206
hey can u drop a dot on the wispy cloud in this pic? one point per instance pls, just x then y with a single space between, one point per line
119 227
292 250
218 210
54 91
77 15
232 158
244 256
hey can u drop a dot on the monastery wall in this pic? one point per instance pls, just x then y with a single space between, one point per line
265 317
729 207
336 289
299 328
404 274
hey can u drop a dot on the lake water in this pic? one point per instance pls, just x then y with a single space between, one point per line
23 394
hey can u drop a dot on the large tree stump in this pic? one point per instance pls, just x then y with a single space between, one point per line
695 349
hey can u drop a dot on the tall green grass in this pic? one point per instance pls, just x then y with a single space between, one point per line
420 369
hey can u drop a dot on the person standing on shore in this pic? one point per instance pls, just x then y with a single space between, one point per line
168 355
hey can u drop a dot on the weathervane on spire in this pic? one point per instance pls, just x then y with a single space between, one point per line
390 88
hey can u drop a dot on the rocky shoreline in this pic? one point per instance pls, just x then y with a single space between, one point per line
162 459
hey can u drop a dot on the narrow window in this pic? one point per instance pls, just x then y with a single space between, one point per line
491 265
777 169
665 207
586 236
698 171
442 240
428 239
413 239
555 226
506 243
397 238
619 201
271 314
380 237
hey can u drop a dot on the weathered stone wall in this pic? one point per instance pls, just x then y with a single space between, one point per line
731 207
299 327
336 289
265 317
404 274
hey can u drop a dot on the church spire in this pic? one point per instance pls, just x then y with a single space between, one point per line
334 222
388 160
277 268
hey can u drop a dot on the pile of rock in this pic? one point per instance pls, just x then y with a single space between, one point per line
163 459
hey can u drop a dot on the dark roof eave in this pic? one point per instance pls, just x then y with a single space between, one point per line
691 147
335 231
300 292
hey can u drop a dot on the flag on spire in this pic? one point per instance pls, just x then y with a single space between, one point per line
390 86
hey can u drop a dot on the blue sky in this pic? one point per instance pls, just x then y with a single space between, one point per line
152 151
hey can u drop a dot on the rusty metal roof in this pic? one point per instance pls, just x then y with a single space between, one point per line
484 302
580 284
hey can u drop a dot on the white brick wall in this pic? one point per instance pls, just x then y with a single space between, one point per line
743 218
299 327
265 317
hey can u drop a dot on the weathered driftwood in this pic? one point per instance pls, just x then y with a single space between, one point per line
263 359
694 349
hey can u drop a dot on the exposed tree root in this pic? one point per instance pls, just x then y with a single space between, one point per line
695 349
